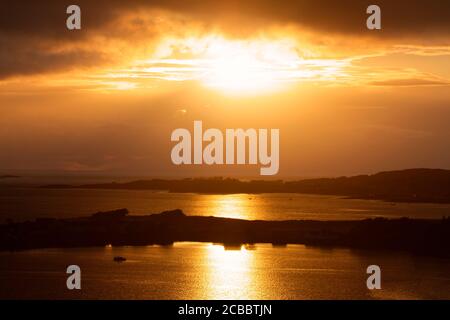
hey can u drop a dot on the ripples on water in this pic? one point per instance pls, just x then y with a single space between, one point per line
207 271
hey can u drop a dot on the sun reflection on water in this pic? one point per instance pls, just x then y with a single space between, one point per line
229 273
235 206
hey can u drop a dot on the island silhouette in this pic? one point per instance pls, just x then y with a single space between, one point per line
117 228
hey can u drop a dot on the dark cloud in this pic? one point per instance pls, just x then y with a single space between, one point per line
399 17
26 24
25 57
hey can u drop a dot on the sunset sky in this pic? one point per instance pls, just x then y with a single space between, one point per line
105 99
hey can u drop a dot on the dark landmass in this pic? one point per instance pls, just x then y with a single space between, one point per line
8 176
423 237
410 185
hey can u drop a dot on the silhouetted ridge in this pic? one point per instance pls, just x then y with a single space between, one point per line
177 213
119 213
8 176
410 185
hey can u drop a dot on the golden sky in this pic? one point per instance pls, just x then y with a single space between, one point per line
104 99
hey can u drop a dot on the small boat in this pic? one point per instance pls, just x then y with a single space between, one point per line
119 259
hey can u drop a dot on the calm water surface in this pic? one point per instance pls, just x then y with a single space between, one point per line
207 271
29 203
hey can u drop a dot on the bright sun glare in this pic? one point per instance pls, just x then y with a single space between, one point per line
232 66
242 66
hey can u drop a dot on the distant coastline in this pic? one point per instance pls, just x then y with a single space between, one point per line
8 176
409 185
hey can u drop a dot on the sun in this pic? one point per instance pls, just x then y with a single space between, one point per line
246 67
240 71
229 65
239 74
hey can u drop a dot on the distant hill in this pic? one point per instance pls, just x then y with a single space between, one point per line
8 176
410 185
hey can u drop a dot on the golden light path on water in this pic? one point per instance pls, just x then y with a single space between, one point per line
235 206
229 273
188 270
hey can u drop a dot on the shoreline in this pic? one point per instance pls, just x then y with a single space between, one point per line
117 228
409 185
